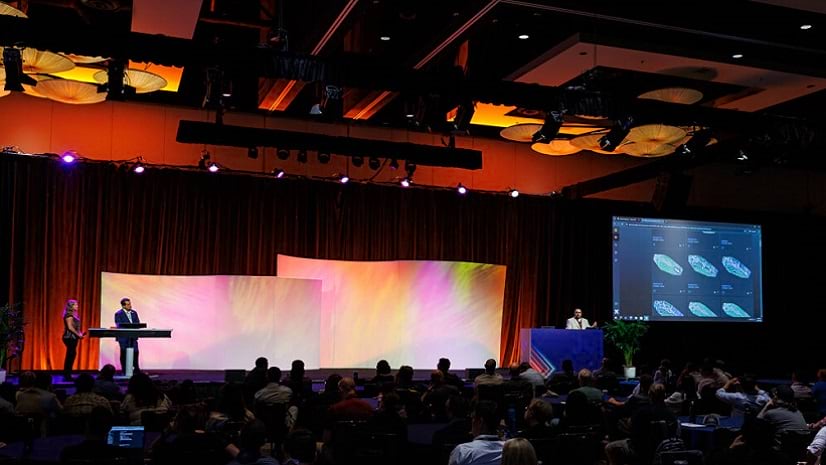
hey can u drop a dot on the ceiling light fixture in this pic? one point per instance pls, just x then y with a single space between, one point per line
358 161
323 157
213 167
617 134
278 173
524 37
344 179
301 156
252 152
694 145
550 128
394 164
461 189
406 182
384 38
737 56
805 27
374 163
513 193
282 154
69 156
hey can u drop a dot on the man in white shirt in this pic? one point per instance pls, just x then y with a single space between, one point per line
743 395
815 449
273 393
489 376
486 447
577 322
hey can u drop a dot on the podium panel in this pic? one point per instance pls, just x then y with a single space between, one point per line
545 349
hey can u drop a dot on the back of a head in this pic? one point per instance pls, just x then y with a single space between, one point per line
232 402
518 451
784 394
274 375
488 413
261 363
331 385
656 393
404 376
514 371
576 403
300 445
568 365
253 435
585 377
346 385
107 372
688 386
383 367
443 365
457 406
100 421
27 380
390 402
297 369
645 383
437 378
490 366
84 383
749 384
821 374
541 411
141 387
524 366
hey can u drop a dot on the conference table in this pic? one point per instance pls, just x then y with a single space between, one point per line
698 436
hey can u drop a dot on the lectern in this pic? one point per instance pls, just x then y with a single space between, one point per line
133 333
545 349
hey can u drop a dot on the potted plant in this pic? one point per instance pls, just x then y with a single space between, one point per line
625 335
11 335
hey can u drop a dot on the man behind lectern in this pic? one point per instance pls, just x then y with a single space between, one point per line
126 315
577 322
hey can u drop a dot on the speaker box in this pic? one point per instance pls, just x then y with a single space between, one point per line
234 376
671 192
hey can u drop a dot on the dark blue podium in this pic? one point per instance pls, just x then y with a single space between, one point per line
545 349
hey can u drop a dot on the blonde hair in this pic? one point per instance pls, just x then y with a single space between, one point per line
518 451
67 310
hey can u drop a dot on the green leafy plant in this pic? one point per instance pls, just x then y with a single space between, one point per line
626 335
11 332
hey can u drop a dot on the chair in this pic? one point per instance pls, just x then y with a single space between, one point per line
682 457
544 449
793 443
576 449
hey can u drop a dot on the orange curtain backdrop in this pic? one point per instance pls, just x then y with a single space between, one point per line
67 224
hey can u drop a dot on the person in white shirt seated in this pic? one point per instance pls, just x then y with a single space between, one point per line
578 322
743 395
274 392
815 449
489 376
486 447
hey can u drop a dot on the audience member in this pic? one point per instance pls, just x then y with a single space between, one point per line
782 414
489 376
692 370
34 398
389 417
273 393
681 399
299 448
711 376
142 395
383 375
527 373
562 381
84 400
449 378
538 417
586 386
518 451
665 376
754 446
486 447
105 384
800 385
819 392
437 394
743 395
350 407
301 386
252 439
815 450
646 432
256 379
404 377
94 448
580 412
457 430
230 409
330 395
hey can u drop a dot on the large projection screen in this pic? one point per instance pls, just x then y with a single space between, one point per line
218 322
406 312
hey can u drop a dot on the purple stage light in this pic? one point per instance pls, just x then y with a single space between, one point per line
213 168
69 156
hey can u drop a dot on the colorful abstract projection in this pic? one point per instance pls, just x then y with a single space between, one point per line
217 322
331 314
406 312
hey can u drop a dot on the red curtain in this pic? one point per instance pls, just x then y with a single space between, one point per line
64 225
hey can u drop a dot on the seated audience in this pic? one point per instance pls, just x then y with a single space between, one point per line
692 370
639 397
94 448
781 413
518 451
105 384
449 378
682 398
562 381
665 376
815 450
256 379
645 431
819 392
538 417
527 373
605 377
800 386
230 410
252 439
142 395
754 446
273 393
330 395
711 376
350 407
383 375
743 395
300 448
489 376
34 398
486 447
84 400
301 385
437 394
580 412
458 428
389 416
186 442
404 377
586 386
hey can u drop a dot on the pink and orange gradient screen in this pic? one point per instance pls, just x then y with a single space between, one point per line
406 312
217 322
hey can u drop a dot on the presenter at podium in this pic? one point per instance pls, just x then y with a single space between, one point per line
127 315
577 322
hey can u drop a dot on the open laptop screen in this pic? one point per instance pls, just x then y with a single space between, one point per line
130 437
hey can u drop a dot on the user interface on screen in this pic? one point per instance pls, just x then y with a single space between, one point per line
676 270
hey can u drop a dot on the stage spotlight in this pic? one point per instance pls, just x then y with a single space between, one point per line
374 163
278 173
204 161
252 152
213 167
69 156
13 63
550 128
410 168
344 179
406 182
301 156
513 193
617 134
742 155
696 144
282 154
138 168
394 164
358 161
323 157
464 113
461 189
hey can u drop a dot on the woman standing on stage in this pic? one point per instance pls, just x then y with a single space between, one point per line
71 335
